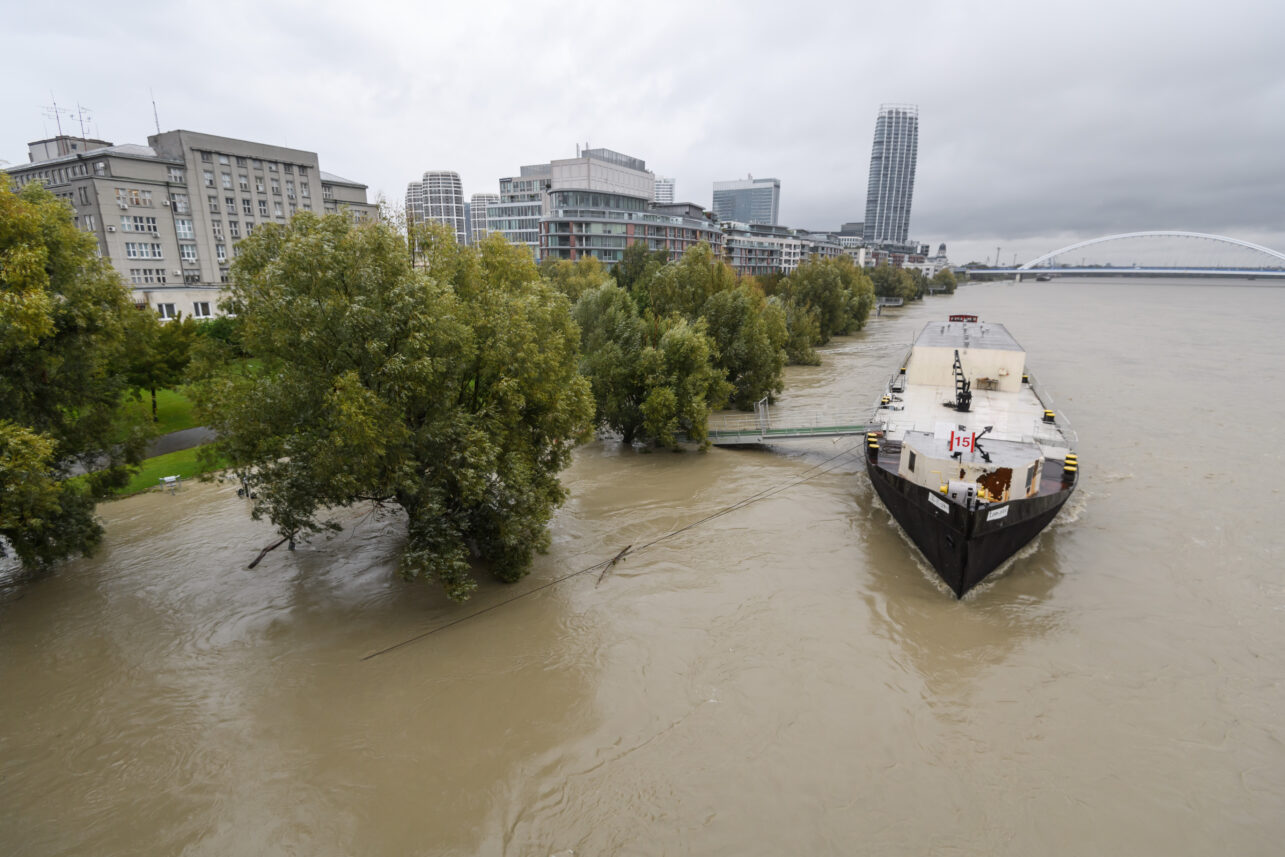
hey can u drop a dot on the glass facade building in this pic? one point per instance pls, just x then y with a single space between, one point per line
602 224
749 200
891 186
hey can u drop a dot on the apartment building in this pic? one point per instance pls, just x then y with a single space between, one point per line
169 215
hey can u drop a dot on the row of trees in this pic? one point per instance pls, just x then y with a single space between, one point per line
454 389
665 342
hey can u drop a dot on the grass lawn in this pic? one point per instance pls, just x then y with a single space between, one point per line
182 463
173 410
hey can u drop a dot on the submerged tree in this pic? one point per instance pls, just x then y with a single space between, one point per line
652 378
449 390
63 312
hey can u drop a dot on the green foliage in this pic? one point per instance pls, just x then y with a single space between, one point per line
224 330
157 354
573 279
683 287
638 264
650 377
835 293
449 389
63 313
945 279
749 340
890 282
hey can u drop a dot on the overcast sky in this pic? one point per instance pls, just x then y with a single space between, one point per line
1040 123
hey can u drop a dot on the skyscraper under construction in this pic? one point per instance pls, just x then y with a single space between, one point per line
892 175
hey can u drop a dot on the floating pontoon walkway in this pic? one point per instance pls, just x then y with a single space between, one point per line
762 428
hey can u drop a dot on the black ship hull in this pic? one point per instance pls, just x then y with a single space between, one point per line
964 545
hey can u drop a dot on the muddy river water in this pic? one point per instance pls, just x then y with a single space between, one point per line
787 678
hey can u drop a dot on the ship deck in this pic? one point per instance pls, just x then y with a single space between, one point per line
1017 416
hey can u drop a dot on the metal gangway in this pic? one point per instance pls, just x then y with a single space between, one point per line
764 427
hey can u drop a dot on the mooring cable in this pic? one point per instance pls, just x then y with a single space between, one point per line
806 476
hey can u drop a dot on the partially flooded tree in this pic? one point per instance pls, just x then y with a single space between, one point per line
63 312
449 390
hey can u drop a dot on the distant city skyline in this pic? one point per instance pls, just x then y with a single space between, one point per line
1027 143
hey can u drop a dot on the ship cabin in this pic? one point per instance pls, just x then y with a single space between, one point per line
962 419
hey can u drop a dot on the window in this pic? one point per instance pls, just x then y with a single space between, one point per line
192 278
246 208
910 462
89 223
236 251
142 250
230 202
276 209
179 202
293 209
290 188
327 192
217 227
221 252
145 198
234 228
166 311
307 206
223 275
249 227
289 169
138 224
183 227
100 168
214 203
272 166
256 163
240 162
147 276
223 159
176 175
84 195
209 177
207 157
276 187
187 252
258 183
244 181
263 208
227 181
303 171
303 189
200 309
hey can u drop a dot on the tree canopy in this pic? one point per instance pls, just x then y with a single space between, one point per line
63 315
450 390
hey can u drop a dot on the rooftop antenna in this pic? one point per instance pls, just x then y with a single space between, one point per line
83 114
155 116
55 112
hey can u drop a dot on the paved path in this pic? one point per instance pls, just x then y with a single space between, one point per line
178 440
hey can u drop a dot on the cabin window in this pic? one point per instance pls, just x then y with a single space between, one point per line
910 462
1030 479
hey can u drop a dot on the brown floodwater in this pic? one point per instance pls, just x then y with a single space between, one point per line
787 678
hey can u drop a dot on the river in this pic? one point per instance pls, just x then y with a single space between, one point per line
787 678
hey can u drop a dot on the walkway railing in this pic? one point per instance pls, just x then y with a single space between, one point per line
763 426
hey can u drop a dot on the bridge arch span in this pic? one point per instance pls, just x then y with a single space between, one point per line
1162 233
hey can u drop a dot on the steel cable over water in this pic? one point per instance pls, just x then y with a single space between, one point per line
808 475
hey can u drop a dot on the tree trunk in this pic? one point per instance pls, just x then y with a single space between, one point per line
155 418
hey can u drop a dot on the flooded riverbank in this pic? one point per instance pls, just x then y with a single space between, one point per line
786 678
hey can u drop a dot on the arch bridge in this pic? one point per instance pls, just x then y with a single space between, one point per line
1271 263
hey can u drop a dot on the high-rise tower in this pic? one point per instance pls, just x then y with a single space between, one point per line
440 197
748 200
891 185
